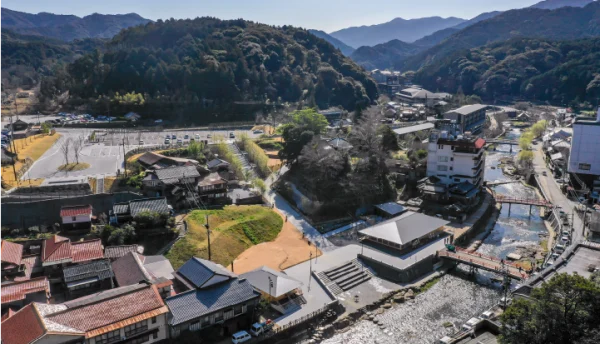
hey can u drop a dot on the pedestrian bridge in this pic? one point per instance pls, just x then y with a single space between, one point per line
502 141
484 262
525 201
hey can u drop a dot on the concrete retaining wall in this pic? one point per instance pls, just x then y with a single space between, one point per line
47 212
393 274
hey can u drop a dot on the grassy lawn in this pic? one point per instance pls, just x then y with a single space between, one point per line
32 147
74 166
233 230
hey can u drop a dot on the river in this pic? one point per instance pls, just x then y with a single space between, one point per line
457 297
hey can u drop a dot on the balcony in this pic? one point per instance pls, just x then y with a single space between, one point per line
478 164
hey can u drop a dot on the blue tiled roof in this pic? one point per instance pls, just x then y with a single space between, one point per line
200 271
194 304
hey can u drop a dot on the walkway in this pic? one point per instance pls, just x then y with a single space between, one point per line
525 201
502 141
310 232
246 166
481 261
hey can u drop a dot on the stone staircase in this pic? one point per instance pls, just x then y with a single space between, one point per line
346 276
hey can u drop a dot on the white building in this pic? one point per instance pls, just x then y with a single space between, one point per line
584 157
454 160
76 217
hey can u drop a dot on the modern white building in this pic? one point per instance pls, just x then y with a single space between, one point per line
76 217
585 155
456 159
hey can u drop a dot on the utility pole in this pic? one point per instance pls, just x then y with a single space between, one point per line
208 237
124 158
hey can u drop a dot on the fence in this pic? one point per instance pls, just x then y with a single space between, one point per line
281 330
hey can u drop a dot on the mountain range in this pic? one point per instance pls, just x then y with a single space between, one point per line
69 27
406 30
344 48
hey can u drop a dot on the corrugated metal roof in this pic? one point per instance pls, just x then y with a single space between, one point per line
177 173
405 228
196 303
391 208
121 208
216 162
468 109
414 128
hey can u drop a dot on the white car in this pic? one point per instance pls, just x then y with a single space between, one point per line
240 337
257 329
197 137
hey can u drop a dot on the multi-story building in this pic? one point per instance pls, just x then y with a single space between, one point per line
455 166
416 95
469 117
584 157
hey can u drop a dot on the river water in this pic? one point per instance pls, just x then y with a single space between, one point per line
457 296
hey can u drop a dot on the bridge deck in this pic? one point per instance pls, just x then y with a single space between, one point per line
484 262
525 201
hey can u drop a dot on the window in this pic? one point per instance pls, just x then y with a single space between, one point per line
442 158
228 314
136 328
440 146
219 317
452 147
451 168
451 159
110 337
442 168
244 308
73 218
140 340
585 167
206 321
155 335
154 320
237 310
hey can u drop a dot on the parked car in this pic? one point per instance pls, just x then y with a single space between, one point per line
186 137
240 337
167 141
179 141
197 136
231 135
209 136
173 137
258 132
257 329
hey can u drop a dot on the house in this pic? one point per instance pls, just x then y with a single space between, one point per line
20 129
332 114
558 134
12 254
59 252
339 143
132 314
171 181
19 294
155 161
469 117
212 189
405 232
284 293
416 95
115 252
214 297
217 164
454 158
132 116
584 157
76 218
389 209
402 131
127 211
133 268
86 278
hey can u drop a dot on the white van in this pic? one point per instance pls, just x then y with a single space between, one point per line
559 248
470 324
240 337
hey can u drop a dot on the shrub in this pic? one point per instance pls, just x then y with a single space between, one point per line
148 219
256 155
226 154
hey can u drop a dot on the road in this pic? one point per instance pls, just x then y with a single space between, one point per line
553 192
106 156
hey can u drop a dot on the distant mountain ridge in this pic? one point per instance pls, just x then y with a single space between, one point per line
562 24
383 56
406 30
69 27
344 48
554 4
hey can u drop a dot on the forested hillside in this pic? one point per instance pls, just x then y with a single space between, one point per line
69 27
556 71
25 58
386 55
563 23
206 64
344 48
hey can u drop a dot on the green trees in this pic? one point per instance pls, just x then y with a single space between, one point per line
256 155
46 128
195 150
211 63
226 154
538 128
305 124
564 310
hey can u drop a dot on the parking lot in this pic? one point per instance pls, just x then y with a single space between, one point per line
151 138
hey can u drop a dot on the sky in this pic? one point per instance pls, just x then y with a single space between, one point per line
326 15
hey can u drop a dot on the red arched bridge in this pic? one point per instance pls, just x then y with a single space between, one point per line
484 262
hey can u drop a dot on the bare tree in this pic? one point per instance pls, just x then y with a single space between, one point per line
66 149
365 136
78 143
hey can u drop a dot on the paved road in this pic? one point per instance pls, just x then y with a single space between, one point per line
552 190
106 156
